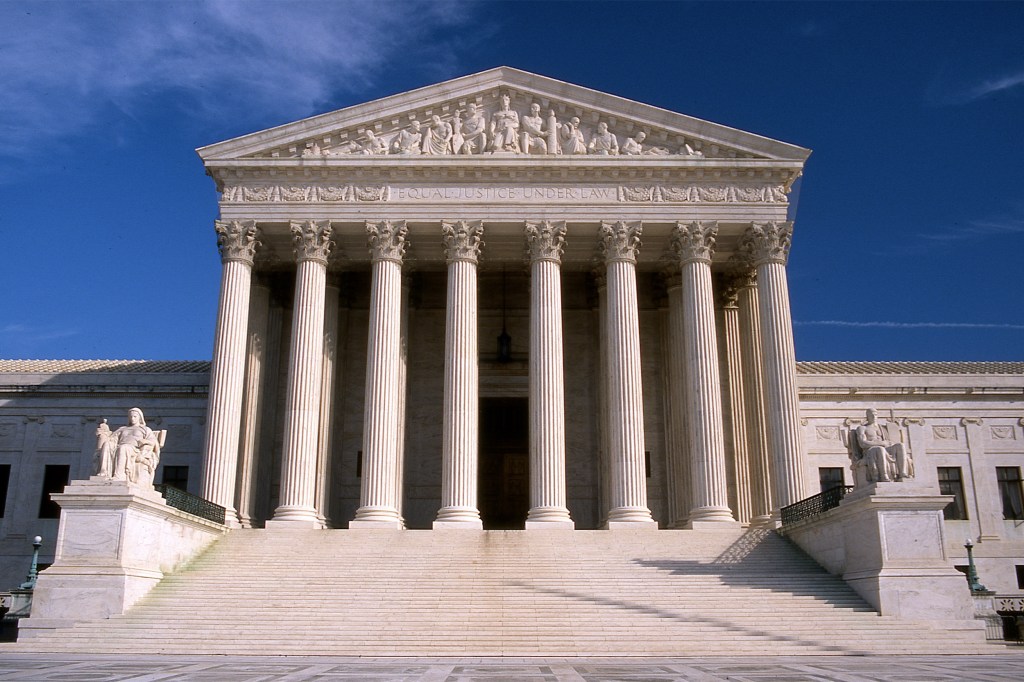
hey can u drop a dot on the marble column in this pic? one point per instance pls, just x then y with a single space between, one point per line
297 498
259 317
603 465
732 392
237 241
460 432
693 244
767 246
378 505
545 241
628 491
678 448
325 444
753 400
403 377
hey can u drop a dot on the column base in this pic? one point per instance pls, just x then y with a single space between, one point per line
294 517
631 525
458 517
705 516
708 524
376 517
630 515
762 522
549 517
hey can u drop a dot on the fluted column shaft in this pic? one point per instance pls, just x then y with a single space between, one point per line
378 496
753 398
694 245
259 314
305 375
460 431
237 243
678 448
547 389
620 242
327 391
768 246
733 397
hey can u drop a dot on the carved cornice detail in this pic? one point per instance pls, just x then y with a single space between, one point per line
919 421
620 240
705 193
694 242
312 240
463 239
236 240
258 193
976 421
767 242
545 240
386 240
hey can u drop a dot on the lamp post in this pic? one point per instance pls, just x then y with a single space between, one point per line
972 572
33 570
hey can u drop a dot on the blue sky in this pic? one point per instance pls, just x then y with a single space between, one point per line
910 226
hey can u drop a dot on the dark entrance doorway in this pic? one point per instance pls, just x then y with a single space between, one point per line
504 463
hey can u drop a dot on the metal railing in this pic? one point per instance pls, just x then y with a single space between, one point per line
193 504
812 506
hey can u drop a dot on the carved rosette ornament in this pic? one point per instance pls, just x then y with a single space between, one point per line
312 240
767 242
462 240
386 240
694 242
236 240
620 240
545 240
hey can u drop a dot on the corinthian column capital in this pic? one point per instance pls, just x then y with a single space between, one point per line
311 240
694 242
620 240
236 240
462 239
545 240
386 240
767 242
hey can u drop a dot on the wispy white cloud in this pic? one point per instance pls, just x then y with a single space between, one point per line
943 93
63 63
907 325
998 226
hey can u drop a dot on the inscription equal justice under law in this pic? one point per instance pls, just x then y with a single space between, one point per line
508 193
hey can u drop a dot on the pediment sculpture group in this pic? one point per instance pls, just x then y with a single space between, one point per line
130 453
506 132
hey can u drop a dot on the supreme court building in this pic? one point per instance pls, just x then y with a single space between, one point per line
507 302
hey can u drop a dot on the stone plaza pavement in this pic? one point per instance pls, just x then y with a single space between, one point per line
104 668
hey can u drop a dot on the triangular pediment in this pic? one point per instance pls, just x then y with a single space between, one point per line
439 120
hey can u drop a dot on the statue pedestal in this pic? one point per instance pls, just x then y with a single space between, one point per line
116 541
886 541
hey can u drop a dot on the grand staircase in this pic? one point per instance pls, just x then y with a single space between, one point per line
475 593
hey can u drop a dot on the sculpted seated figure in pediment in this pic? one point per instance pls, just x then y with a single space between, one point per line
603 142
505 128
634 146
474 131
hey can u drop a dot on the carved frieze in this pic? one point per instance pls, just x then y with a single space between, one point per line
944 432
827 432
1005 432
262 194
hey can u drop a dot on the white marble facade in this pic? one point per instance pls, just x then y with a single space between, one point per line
373 256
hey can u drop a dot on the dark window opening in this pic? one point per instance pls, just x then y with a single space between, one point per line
1010 492
1020 577
951 483
175 477
5 482
55 477
830 477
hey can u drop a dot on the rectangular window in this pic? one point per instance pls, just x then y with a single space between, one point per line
5 482
830 477
1020 576
55 477
951 482
1010 492
176 477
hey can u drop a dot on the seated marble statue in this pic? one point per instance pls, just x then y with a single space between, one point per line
881 452
505 128
570 137
438 139
473 131
534 137
634 146
408 141
131 453
374 145
603 142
